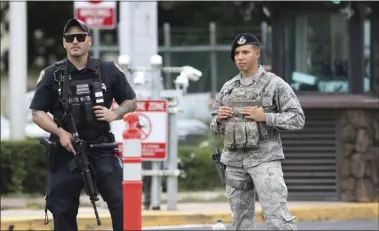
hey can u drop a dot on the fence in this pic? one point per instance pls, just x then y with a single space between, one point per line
207 50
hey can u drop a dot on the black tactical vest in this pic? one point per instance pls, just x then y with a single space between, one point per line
83 92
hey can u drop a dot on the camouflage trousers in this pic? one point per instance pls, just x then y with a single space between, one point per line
272 192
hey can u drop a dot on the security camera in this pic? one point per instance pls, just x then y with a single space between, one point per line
123 60
182 82
191 73
156 60
140 78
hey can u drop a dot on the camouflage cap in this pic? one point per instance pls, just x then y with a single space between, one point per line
241 40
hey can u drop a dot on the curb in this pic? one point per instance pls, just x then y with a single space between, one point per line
350 211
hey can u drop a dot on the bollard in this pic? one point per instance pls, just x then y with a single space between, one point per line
132 174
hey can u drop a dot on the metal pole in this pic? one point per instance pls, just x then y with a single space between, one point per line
125 29
264 42
156 182
172 181
167 54
17 68
96 43
213 58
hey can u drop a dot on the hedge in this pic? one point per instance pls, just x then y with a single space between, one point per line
23 169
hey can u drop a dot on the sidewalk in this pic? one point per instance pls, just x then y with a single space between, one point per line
39 202
192 213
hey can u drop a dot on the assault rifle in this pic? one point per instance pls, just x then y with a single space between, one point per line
81 161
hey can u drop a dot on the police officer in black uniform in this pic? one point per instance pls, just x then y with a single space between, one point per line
94 83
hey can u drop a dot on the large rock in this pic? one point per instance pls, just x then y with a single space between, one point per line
364 190
357 165
368 169
347 150
363 141
348 196
375 126
371 153
374 172
371 127
345 168
349 134
344 120
357 118
348 184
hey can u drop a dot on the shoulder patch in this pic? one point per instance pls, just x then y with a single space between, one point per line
41 75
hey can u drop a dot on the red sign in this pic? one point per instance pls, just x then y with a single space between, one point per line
97 14
153 124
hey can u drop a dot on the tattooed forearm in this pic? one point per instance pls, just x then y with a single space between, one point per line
125 107
35 112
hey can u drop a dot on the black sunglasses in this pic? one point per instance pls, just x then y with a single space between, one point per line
70 37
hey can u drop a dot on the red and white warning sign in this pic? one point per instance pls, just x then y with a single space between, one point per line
153 124
97 14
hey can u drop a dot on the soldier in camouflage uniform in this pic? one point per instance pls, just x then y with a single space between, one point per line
250 111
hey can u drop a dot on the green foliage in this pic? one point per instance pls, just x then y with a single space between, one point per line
22 167
23 170
198 169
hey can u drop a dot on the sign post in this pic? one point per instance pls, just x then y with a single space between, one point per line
99 15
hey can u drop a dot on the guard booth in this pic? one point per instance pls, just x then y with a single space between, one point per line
329 54
335 157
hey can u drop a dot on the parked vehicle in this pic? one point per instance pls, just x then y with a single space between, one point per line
31 129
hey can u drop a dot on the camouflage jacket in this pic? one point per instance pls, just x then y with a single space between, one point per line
283 113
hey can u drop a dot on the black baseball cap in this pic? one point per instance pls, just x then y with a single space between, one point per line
76 22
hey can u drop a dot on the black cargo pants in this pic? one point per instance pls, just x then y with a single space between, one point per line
65 187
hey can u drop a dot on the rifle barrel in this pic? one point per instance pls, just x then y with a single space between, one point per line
96 213
104 146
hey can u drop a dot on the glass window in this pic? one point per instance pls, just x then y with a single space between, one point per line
367 55
316 52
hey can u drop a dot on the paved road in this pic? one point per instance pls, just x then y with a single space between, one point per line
315 225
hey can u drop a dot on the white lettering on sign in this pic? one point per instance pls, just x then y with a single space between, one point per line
95 21
140 106
153 106
150 149
95 13
157 106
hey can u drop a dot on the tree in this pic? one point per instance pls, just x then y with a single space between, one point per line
44 32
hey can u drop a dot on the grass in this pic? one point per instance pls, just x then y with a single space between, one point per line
35 205
193 199
22 195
